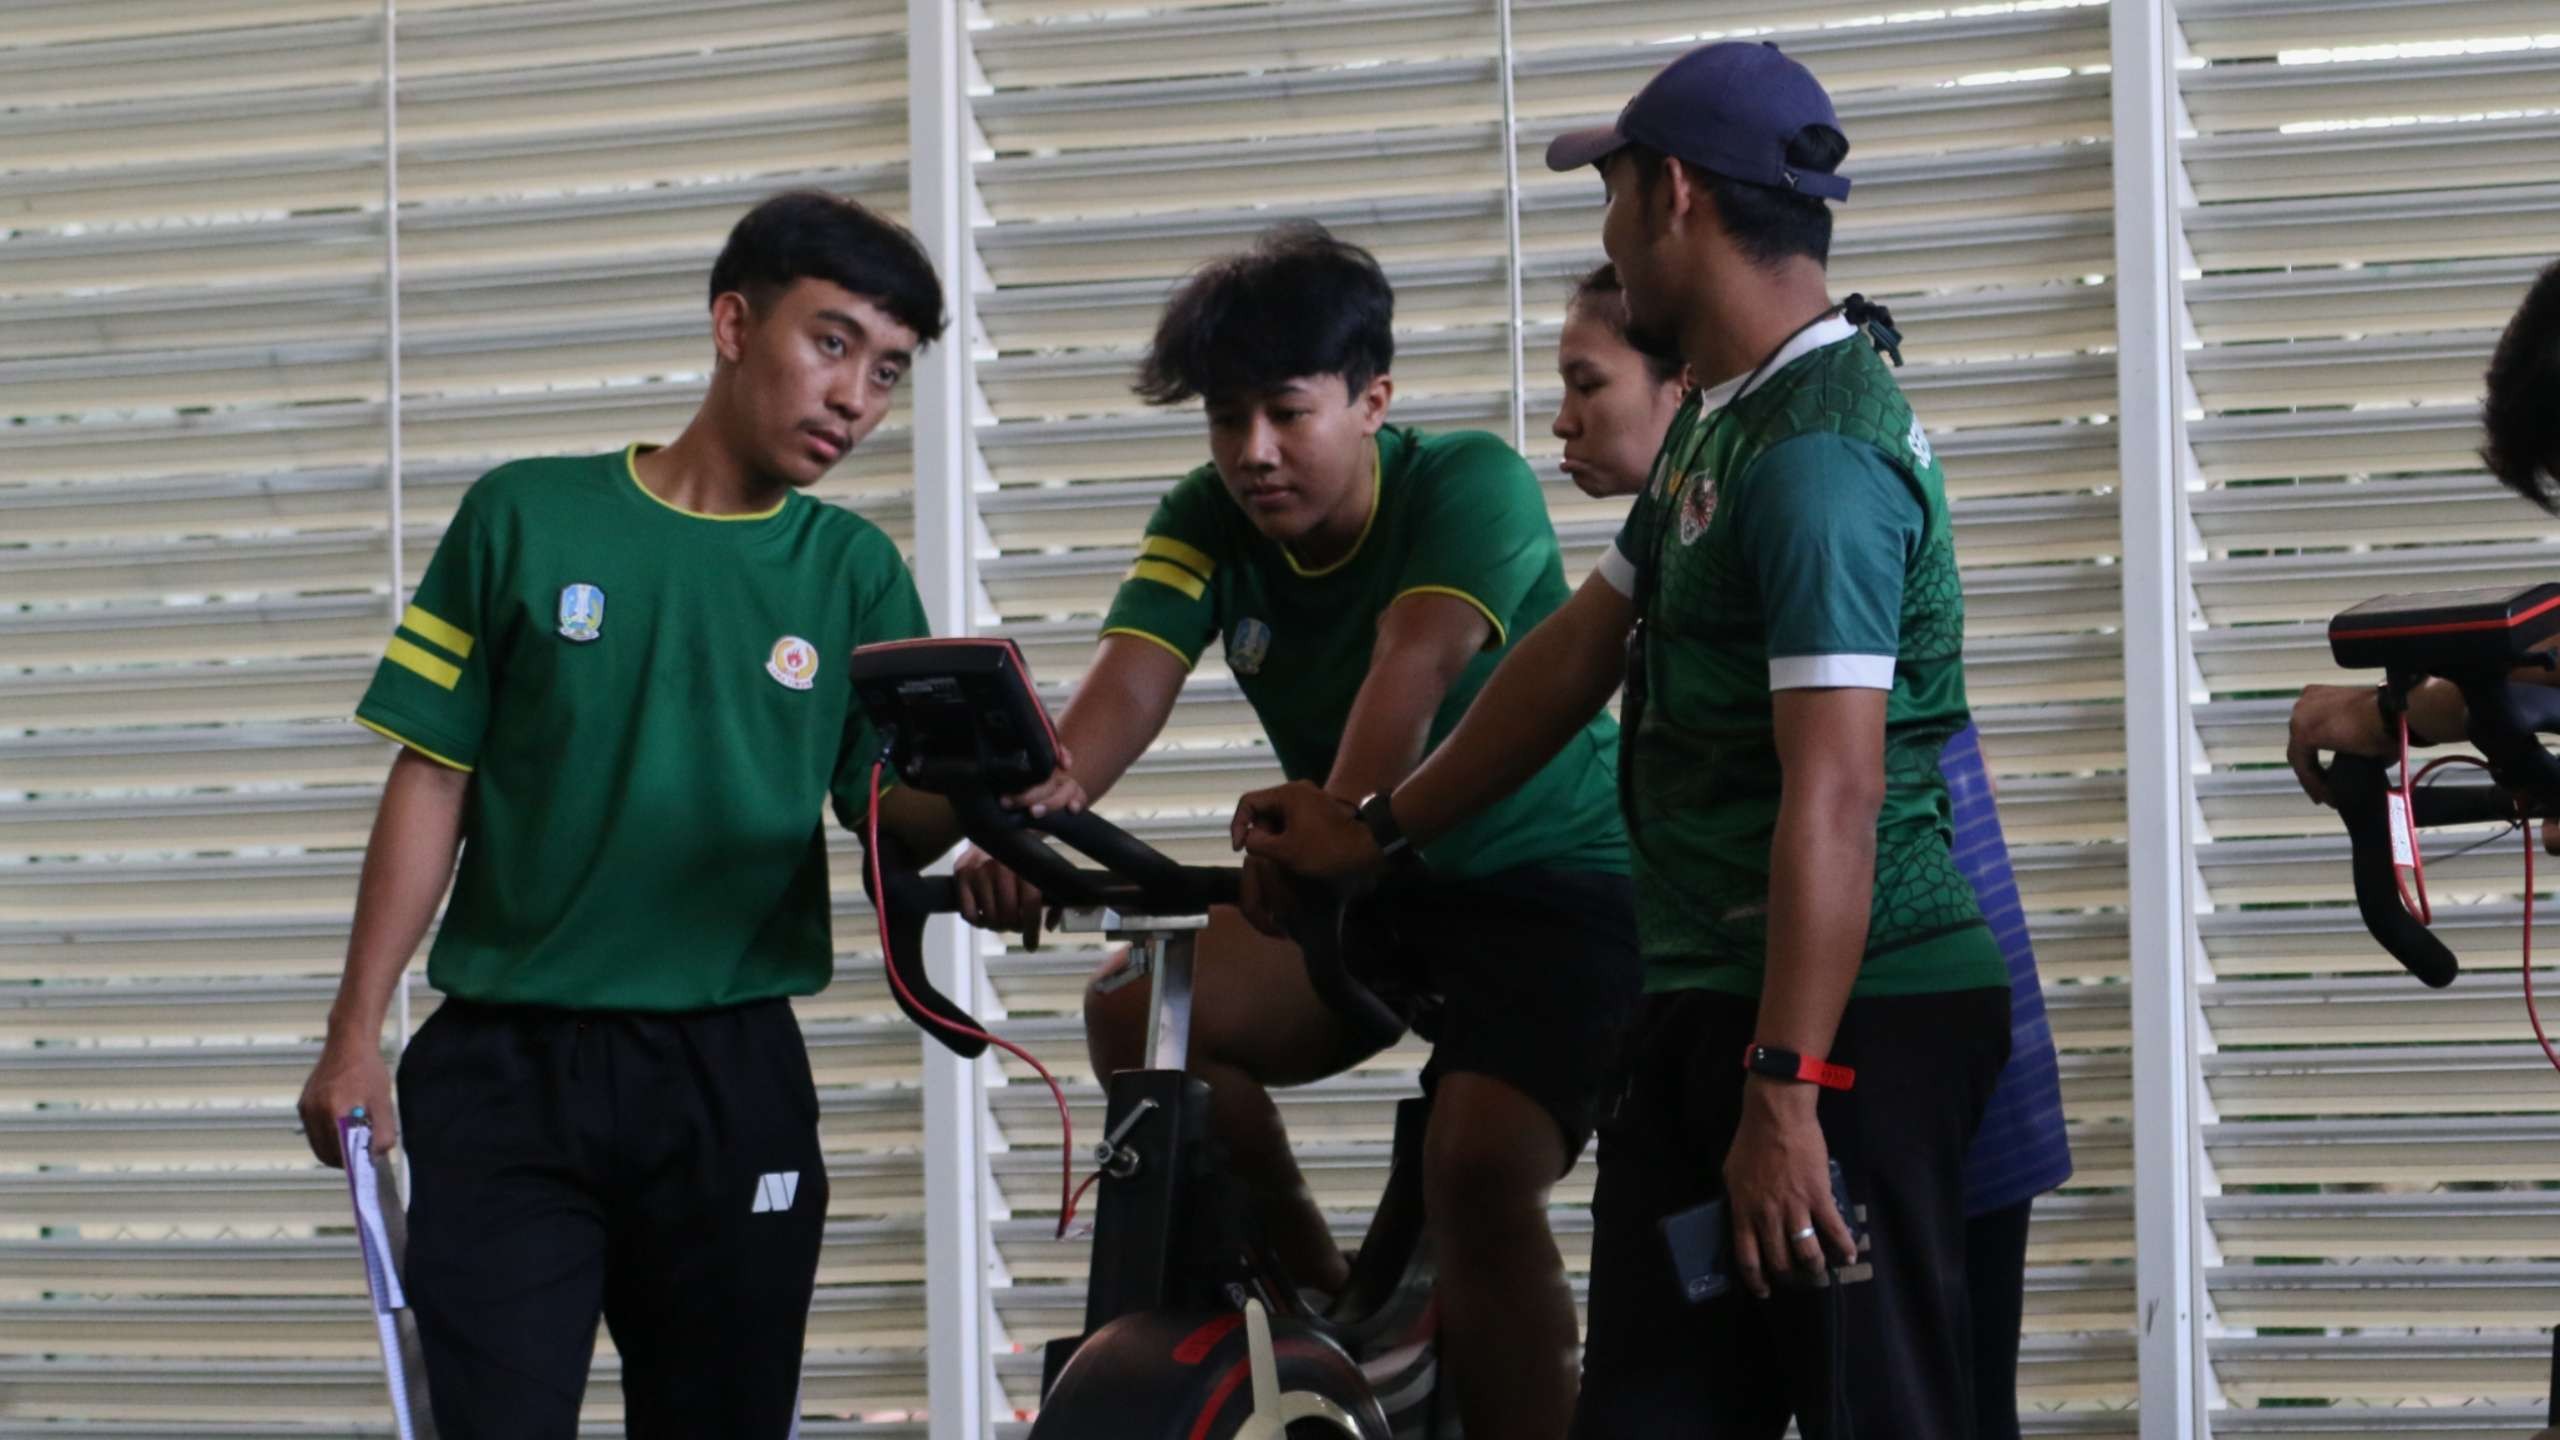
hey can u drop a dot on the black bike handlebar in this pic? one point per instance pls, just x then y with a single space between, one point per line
2505 721
2361 788
1138 878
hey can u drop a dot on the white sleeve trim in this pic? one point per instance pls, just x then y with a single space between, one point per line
1831 672
1619 571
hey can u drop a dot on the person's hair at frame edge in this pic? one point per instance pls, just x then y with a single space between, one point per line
2522 411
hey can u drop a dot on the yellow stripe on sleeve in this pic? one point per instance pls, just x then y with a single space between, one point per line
1156 640
1165 547
1501 636
1165 572
387 733
436 632
437 671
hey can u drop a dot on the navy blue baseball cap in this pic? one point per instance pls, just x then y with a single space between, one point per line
1728 108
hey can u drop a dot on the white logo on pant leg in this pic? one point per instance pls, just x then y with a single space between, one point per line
776 1191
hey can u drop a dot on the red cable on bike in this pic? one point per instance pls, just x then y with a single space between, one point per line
1068 1192
2423 911
2404 823
2403 820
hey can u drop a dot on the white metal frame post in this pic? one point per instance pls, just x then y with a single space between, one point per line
394 498
2160 884
960 1381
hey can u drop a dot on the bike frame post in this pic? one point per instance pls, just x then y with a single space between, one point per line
1168 998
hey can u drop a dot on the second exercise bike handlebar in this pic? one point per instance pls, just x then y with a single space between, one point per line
2455 639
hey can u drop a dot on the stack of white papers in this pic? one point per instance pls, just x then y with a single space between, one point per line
382 1230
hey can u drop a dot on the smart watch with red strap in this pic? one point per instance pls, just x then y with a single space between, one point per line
1788 1065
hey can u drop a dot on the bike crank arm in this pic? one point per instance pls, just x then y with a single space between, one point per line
1274 1408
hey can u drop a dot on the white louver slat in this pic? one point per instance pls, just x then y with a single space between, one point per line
2366 214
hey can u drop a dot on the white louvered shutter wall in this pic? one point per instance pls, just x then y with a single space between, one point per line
192 566
2374 186
194 587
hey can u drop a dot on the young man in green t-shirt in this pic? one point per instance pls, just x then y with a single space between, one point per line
620 692
1783 607
1365 579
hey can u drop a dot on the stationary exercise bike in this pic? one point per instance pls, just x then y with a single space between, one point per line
2476 639
1191 1330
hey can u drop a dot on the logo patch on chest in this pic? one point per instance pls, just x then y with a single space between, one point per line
1697 508
1919 442
1248 647
794 663
581 612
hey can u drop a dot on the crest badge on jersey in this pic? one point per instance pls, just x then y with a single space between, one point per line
794 663
1919 442
581 612
1697 509
1248 647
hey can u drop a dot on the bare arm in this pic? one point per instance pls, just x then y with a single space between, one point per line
407 865
1822 862
2348 719
1119 708
1424 643
923 825
1559 676
1822 866
1554 680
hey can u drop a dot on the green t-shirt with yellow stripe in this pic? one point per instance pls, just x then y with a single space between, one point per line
1456 514
655 711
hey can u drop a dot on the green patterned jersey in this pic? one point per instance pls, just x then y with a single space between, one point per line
1797 537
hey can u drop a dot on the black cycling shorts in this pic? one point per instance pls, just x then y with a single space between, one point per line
1529 976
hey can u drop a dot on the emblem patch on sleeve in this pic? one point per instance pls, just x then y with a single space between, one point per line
794 662
581 612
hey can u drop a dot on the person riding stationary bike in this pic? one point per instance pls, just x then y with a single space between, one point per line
1366 578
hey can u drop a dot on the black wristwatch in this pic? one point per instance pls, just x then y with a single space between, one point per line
1378 817
2391 698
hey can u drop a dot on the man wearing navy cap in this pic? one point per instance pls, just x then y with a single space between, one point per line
1783 608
